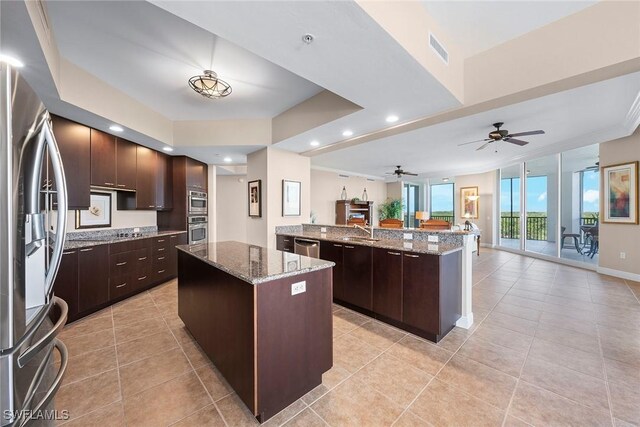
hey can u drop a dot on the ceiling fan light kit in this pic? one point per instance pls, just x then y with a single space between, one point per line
503 135
399 172
209 85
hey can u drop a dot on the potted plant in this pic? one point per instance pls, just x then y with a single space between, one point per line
390 213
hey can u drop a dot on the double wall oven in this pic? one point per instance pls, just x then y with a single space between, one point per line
197 203
197 229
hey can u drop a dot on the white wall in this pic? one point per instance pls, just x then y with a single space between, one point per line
326 188
231 208
257 227
212 179
486 187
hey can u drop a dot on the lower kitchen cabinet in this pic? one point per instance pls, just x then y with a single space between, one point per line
357 276
93 277
331 251
387 283
66 283
421 297
285 243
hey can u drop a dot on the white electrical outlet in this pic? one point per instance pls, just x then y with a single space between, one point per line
323 229
136 230
432 247
623 255
408 236
407 245
433 239
298 287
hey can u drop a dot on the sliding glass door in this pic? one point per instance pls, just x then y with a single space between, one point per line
412 204
541 202
510 207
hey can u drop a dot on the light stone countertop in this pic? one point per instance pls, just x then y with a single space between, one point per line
76 243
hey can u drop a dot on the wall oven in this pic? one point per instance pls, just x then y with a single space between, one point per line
197 226
197 202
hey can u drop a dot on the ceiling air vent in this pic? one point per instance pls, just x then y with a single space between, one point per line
438 48
343 176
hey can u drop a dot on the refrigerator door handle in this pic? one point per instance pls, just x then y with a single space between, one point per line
61 186
55 385
34 349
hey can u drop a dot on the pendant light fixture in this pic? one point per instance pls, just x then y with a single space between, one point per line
208 84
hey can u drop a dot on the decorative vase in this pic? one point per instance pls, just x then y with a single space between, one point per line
343 195
365 196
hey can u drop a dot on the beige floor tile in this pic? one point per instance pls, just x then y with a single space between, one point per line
517 311
330 379
512 421
90 342
625 402
621 423
205 417
214 382
454 339
495 356
576 386
569 357
557 320
537 406
523 293
82 397
157 369
145 346
348 320
441 404
195 354
140 329
166 403
108 416
142 300
478 380
622 373
504 337
123 318
88 325
523 302
420 354
306 418
235 412
378 334
485 298
90 364
574 339
518 324
394 378
352 403
183 335
352 353
286 414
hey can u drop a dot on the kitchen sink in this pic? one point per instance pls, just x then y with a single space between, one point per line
365 239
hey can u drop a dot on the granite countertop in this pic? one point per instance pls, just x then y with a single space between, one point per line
83 242
395 244
253 264
407 229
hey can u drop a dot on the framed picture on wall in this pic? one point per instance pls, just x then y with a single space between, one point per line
255 198
620 193
99 213
291 198
469 202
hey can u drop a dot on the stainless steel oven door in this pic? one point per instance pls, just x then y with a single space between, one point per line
197 203
197 233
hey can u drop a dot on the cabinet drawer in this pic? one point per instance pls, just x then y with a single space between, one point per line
121 285
122 264
142 258
142 279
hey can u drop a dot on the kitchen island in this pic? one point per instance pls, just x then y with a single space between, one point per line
262 316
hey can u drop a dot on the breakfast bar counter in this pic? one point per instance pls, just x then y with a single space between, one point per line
262 316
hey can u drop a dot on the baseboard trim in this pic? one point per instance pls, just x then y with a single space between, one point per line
465 322
487 245
619 273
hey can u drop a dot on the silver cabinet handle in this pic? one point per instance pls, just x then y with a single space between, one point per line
338 246
161 271
121 285
349 247
160 249
160 240
68 253
109 183
393 253
121 185
121 263
86 250
160 258
412 256
142 278
173 237
286 240
142 259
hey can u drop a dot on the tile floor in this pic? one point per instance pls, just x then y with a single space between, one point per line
551 345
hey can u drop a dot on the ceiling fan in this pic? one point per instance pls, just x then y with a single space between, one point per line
399 172
503 135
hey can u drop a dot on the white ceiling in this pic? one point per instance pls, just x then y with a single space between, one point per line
579 117
150 54
476 26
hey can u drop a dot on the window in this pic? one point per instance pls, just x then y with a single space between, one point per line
442 202
411 203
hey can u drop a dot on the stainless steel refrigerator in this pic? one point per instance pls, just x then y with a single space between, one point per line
31 243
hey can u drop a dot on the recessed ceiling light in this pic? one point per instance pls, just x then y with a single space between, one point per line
14 62
227 159
116 128
347 133
167 149
314 143
392 118
445 179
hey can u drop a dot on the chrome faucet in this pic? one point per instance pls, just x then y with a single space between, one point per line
370 231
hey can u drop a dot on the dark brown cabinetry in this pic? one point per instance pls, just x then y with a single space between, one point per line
285 243
103 159
421 291
331 251
74 143
163 182
387 283
145 178
93 277
357 275
125 164
66 283
346 209
196 174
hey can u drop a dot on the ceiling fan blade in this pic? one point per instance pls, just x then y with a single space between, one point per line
410 173
473 142
483 146
531 132
516 141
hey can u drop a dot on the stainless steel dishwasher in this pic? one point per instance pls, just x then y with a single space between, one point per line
306 247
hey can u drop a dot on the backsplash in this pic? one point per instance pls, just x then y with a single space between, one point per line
109 232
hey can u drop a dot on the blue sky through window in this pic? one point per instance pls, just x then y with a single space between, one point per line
591 191
442 198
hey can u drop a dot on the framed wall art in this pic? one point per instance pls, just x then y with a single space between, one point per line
291 197
255 198
469 202
620 193
99 213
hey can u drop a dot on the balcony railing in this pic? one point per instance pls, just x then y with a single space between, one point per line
536 227
448 218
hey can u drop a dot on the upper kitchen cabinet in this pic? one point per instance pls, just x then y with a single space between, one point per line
164 181
145 178
74 143
125 164
196 174
103 159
